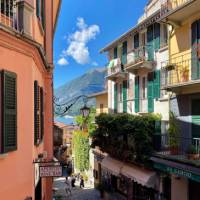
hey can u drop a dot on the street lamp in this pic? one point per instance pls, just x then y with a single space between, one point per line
85 111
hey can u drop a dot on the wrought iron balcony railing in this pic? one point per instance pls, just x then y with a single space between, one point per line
183 149
181 70
115 67
141 55
16 15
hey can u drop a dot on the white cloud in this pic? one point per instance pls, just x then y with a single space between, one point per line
95 64
78 41
62 61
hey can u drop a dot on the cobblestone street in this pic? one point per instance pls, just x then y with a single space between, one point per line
88 193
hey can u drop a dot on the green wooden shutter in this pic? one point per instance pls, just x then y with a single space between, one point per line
38 8
150 43
150 92
41 113
9 111
137 94
43 13
125 96
36 113
115 98
115 52
124 53
156 84
156 36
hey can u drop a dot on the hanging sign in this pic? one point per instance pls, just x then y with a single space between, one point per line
51 171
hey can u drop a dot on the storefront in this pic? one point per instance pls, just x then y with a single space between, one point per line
135 183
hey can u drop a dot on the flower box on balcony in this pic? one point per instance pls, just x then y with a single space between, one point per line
192 153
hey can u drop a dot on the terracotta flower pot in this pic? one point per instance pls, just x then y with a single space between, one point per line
193 156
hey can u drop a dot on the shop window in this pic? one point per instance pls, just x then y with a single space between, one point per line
8 116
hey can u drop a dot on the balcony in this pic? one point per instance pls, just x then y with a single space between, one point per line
178 149
116 70
16 16
141 57
180 73
176 11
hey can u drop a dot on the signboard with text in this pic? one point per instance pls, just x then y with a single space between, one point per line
50 171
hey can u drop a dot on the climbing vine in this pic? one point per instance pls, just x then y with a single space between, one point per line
81 150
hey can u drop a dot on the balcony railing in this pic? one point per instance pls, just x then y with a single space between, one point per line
9 13
178 148
170 5
115 67
140 55
179 71
16 15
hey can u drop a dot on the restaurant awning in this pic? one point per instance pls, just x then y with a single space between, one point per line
140 175
112 165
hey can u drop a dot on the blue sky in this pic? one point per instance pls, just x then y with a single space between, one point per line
86 26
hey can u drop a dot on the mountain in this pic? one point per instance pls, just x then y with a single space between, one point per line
91 82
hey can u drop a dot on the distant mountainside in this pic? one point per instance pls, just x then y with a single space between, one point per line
91 82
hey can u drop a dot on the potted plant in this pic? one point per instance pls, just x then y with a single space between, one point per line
174 134
192 153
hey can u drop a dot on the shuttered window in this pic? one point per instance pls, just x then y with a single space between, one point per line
136 40
156 84
150 92
9 112
156 36
137 94
124 53
40 11
150 43
124 96
38 113
115 98
115 53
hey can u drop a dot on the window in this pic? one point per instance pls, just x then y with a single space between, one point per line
143 87
101 108
40 11
164 35
8 116
120 92
38 113
7 7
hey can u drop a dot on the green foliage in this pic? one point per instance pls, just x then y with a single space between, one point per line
173 131
81 150
125 136
89 121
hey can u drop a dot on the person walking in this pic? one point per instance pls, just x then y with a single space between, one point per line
82 182
68 187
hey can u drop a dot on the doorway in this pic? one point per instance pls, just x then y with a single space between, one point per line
194 192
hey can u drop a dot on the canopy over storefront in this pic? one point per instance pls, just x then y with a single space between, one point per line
112 165
140 175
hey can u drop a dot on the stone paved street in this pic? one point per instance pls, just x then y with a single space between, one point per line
88 193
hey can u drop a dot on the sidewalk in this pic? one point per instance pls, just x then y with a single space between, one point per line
88 193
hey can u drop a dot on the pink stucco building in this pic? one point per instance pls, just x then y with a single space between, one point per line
26 112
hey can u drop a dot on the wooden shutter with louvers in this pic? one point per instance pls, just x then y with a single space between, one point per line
137 94
156 36
9 139
36 113
115 52
41 113
150 45
124 96
156 84
150 92
124 53
38 8
115 98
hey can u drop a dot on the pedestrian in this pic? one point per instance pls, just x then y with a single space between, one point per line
73 181
68 187
82 182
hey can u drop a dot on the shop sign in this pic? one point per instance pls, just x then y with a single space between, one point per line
50 171
177 171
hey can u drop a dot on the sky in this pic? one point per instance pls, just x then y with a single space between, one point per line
86 26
